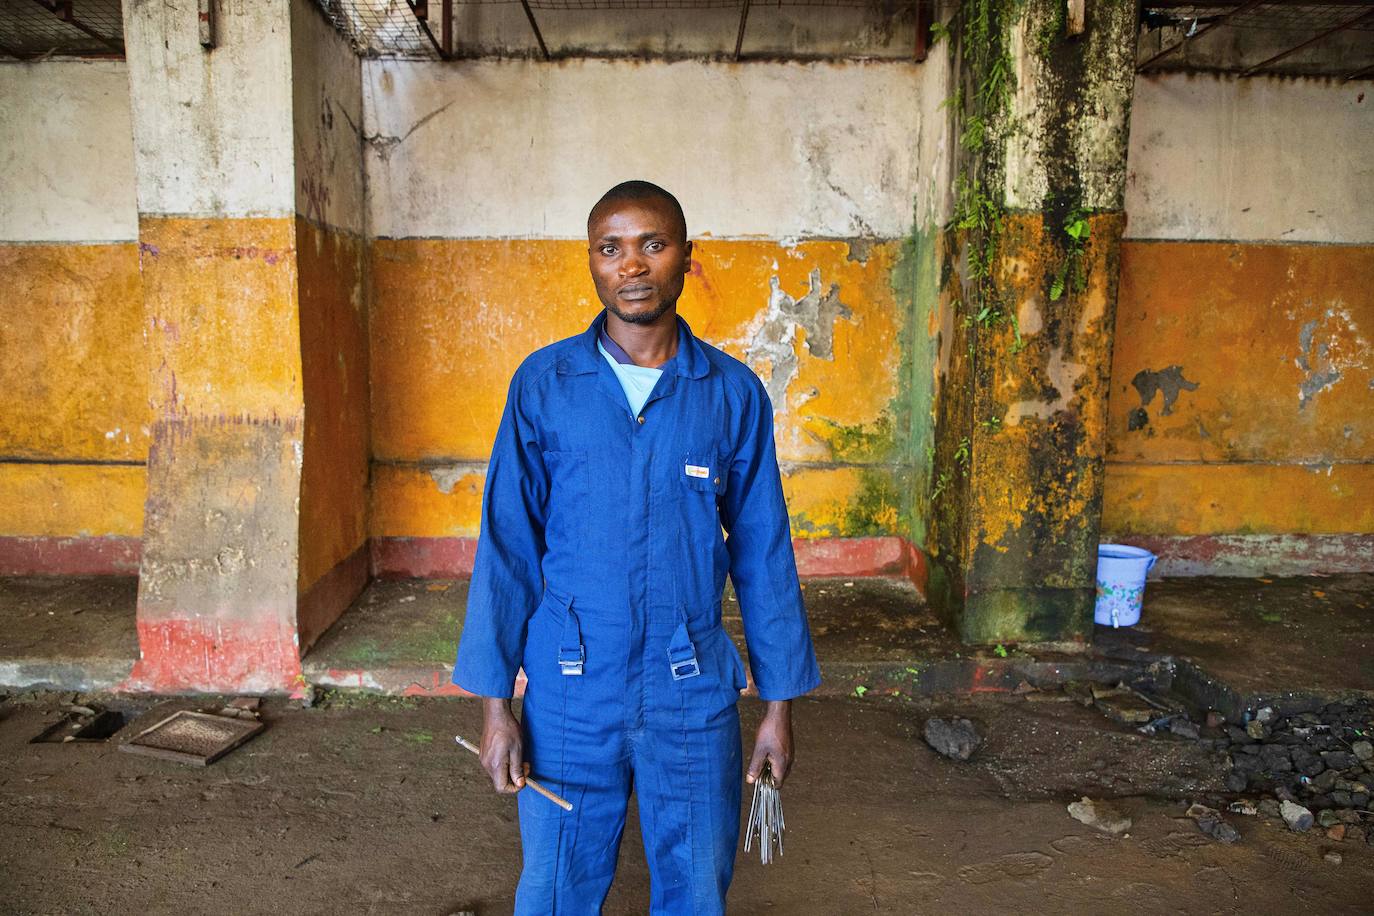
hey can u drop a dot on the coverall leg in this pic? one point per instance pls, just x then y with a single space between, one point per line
669 729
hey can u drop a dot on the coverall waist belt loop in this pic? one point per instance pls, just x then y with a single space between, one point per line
572 653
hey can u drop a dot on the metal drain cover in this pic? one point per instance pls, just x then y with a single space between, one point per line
191 737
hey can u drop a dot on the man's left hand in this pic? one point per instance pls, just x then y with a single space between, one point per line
774 742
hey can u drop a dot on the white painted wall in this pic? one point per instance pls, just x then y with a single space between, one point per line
1217 157
512 148
212 129
326 86
66 152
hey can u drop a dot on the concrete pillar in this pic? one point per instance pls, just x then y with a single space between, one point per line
1021 426
217 154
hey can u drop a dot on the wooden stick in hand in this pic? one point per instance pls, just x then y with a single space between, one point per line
556 799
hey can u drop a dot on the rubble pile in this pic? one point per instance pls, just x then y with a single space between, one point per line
1319 764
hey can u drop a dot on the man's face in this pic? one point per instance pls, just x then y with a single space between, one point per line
638 258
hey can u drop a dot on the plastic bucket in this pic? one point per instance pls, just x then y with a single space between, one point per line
1121 572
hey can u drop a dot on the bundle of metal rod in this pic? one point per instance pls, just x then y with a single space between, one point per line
765 817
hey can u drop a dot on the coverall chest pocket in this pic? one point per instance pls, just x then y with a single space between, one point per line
703 472
569 494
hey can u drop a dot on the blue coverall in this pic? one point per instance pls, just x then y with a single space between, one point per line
600 568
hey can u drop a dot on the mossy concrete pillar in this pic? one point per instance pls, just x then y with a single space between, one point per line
1029 301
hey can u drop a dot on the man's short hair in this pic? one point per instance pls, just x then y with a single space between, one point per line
637 190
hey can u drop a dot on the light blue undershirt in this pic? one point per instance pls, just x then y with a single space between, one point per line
637 381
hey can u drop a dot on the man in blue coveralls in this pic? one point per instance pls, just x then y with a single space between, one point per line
620 456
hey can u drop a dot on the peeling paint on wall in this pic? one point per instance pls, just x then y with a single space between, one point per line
772 336
1324 358
1168 382
833 330
447 476
1256 324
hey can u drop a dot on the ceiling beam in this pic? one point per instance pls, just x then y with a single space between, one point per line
420 10
534 24
743 18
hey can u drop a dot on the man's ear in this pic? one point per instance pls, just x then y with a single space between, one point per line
687 258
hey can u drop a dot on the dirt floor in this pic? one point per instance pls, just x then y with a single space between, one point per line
1312 634
363 805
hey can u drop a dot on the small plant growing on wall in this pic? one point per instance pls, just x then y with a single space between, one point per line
1071 275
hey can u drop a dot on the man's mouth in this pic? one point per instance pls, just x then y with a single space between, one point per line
635 292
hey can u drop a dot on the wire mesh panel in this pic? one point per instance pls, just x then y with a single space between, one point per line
1312 17
35 28
410 28
387 27
1292 37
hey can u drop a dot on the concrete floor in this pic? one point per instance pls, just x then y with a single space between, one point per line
363 805
1237 641
1285 642
70 632
1312 633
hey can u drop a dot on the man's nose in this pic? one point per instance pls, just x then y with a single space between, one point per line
632 265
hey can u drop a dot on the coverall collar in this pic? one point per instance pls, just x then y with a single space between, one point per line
690 361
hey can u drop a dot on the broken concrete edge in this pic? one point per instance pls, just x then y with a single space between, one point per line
1204 692
972 675
87 675
910 678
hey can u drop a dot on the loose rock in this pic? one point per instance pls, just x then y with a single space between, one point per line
1339 760
1210 822
1298 818
957 739
1183 728
1099 816
1364 750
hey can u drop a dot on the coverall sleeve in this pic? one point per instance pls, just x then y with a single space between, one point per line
762 565
507 582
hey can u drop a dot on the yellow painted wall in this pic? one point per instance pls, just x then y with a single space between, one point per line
1278 436
451 320
333 329
72 367
210 281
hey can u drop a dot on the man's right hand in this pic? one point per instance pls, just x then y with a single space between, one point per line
503 754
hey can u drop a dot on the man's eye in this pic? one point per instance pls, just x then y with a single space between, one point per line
654 246
608 250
